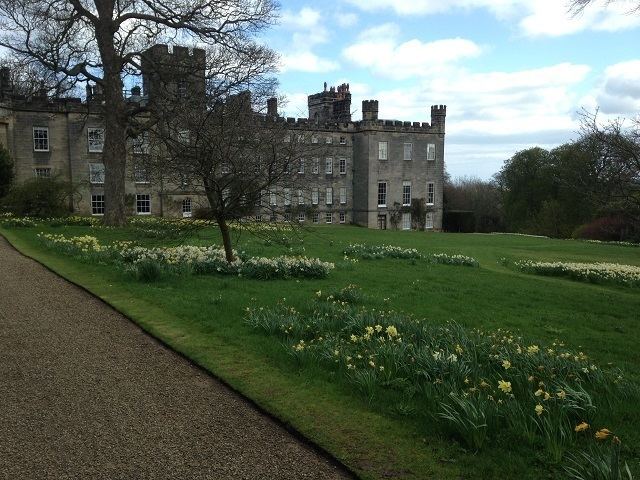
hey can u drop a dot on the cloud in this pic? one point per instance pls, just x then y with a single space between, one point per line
346 20
303 19
306 61
379 49
619 91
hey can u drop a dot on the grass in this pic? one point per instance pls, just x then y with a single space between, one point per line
202 316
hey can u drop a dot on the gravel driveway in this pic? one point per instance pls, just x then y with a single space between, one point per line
85 394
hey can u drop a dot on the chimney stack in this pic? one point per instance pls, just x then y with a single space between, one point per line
369 110
272 107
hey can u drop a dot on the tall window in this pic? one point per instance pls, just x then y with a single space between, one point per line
315 217
343 195
431 193
383 150
182 89
96 173
273 201
42 172
97 204
316 166
431 152
301 166
343 140
329 196
328 217
186 207
328 166
406 194
141 144
314 196
343 166
408 151
300 197
41 139
287 196
406 221
382 194
95 139
140 174
343 217
429 220
143 203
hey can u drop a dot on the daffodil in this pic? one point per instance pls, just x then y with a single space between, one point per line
603 434
539 409
506 364
504 386
581 427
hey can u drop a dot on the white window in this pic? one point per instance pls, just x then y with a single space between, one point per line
314 196
97 204
343 195
429 220
406 194
316 166
343 140
42 172
301 166
329 140
186 207
287 139
224 168
406 221
95 139
343 166
96 172
329 196
300 197
141 144
408 151
143 203
314 139
431 152
343 217
430 193
184 137
301 217
383 150
328 166
273 201
328 218
287 196
140 174
315 217
41 139
382 194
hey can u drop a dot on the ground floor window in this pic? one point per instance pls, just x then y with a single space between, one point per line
143 204
301 217
186 207
287 217
42 172
328 217
273 217
343 217
315 218
382 222
97 204
406 221
429 221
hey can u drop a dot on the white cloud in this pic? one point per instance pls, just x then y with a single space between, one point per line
346 20
379 49
306 61
303 19
618 93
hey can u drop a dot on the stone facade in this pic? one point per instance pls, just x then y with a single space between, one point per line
369 172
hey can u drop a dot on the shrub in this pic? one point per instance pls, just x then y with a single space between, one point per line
614 228
146 270
40 197
628 275
6 171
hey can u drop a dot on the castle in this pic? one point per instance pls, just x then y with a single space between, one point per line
371 170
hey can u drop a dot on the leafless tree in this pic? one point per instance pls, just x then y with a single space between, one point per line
578 6
104 41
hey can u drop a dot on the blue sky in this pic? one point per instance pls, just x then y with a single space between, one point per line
513 73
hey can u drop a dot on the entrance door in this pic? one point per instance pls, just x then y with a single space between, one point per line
382 222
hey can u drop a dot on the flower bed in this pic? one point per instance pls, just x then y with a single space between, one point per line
628 275
380 251
475 385
7 220
445 259
619 244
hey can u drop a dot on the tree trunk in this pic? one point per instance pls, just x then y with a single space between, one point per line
226 238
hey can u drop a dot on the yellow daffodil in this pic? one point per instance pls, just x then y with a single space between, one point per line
539 392
603 434
539 409
504 386
581 427
562 394
506 364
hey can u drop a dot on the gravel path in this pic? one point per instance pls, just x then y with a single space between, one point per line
86 394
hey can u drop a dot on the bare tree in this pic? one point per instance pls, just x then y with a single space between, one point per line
104 41
578 6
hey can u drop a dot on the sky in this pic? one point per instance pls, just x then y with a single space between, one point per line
513 73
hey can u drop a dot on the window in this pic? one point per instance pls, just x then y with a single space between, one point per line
301 217
273 201
41 139
287 168
95 139
184 137
343 166
343 195
287 139
97 204
316 166
329 140
383 150
382 194
224 168
328 166
406 194
143 203
300 197
429 221
314 139
430 193
42 172
408 151
186 207
96 172
287 197
273 217
287 217
141 144
182 89
140 174
301 167
258 218
406 221
431 152
343 217
314 196
315 217
328 218
329 197
343 140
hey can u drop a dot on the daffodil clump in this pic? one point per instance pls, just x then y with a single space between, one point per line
618 243
446 259
369 252
8 220
628 275
478 385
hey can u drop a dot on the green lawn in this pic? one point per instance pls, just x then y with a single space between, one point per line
202 316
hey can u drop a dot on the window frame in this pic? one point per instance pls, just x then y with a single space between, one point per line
382 150
46 139
95 204
328 199
328 218
328 166
385 193
343 217
91 174
187 212
431 193
315 167
410 151
342 165
139 202
431 152
405 202
406 225
343 195
315 217
428 221
39 171
301 167
315 196
89 142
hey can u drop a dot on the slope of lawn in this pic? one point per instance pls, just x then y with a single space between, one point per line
203 317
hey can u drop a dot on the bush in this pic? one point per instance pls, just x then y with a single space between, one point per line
6 171
615 228
40 197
